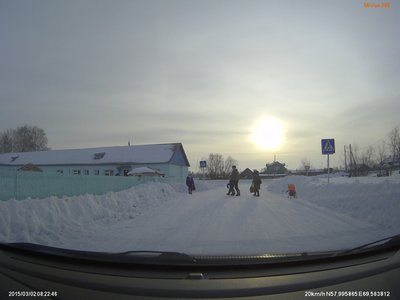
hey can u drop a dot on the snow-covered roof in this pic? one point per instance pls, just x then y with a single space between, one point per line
137 154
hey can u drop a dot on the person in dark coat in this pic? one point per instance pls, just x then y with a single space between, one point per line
190 183
256 183
233 182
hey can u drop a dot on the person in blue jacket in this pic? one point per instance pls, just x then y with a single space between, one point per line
190 183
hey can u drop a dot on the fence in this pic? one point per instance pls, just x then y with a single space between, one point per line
21 185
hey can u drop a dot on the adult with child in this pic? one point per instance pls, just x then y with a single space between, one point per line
234 182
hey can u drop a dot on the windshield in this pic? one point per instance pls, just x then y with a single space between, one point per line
199 127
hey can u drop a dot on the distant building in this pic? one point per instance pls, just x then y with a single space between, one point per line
246 174
275 168
169 159
391 161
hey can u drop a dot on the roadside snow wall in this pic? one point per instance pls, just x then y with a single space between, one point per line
52 220
373 199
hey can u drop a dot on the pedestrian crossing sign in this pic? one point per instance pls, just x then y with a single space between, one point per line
328 146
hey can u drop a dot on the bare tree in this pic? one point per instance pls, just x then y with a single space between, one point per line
367 157
355 151
6 141
23 139
381 152
215 166
305 165
229 162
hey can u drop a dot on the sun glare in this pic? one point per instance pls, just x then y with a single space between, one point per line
268 133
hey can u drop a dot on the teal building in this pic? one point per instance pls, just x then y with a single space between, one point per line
169 159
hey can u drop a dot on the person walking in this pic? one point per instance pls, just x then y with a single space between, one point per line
256 183
233 182
190 183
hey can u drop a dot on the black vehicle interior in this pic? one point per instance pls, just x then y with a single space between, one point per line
370 271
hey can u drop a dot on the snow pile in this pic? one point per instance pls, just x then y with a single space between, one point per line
53 220
372 199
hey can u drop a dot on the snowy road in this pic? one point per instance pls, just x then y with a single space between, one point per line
210 222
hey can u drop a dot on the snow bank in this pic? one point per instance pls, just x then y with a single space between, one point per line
372 199
59 221
52 220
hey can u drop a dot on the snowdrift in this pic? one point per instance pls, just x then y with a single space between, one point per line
51 220
373 199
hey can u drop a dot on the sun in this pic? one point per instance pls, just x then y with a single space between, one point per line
268 133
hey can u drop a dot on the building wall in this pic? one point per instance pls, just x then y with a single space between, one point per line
177 173
21 185
173 172
178 158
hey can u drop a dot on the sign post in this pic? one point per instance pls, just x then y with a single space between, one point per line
328 147
203 166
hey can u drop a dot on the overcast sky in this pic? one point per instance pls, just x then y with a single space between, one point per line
102 73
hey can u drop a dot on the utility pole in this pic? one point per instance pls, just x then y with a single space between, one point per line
351 161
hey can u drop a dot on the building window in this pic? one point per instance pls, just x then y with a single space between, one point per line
96 172
85 172
77 172
109 172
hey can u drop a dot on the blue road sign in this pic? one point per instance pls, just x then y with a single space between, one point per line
203 164
328 146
